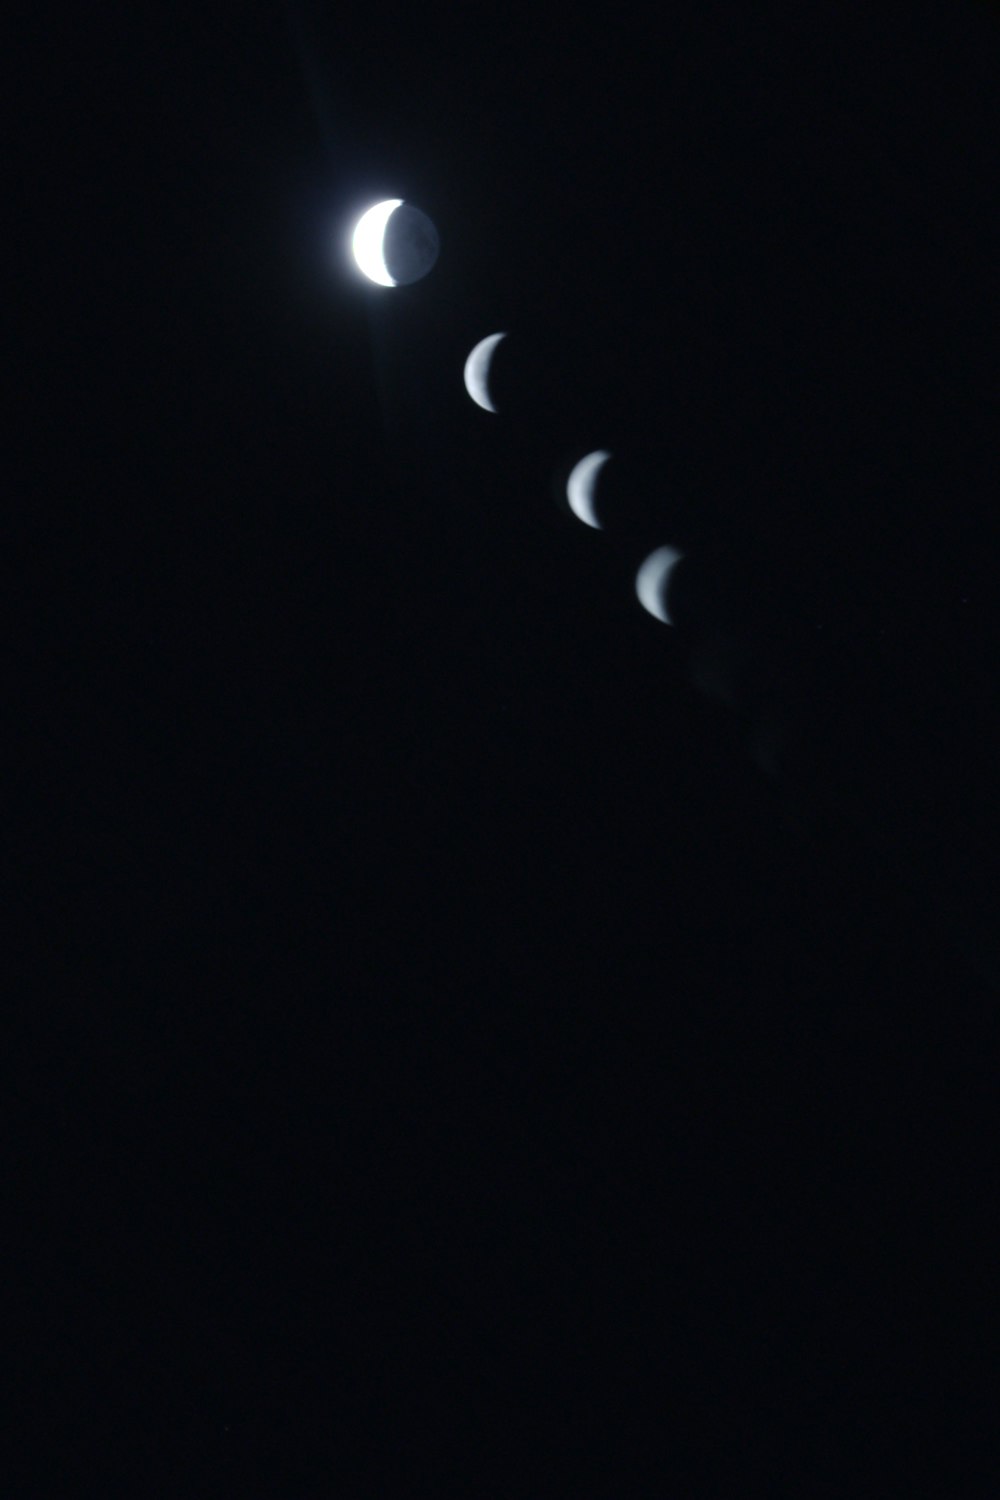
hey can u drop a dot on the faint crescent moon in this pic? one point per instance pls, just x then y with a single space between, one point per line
652 579
581 484
477 370
368 241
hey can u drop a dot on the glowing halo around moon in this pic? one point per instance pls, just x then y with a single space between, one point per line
477 370
581 485
652 580
394 243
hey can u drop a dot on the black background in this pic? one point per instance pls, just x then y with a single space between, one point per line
473 1037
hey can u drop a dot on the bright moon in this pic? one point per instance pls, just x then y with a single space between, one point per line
477 370
652 579
368 240
581 485
394 243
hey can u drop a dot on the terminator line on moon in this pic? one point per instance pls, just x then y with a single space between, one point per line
394 243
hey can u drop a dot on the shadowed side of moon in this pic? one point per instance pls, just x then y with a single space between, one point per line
410 246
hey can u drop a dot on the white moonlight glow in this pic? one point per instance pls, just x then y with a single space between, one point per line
652 579
477 370
368 240
581 485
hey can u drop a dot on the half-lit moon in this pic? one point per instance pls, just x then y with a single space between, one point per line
582 484
652 580
477 370
368 241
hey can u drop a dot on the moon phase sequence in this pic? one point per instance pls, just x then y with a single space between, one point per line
477 370
394 243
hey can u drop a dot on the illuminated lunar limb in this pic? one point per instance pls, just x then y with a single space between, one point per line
367 241
477 370
582 485
653 579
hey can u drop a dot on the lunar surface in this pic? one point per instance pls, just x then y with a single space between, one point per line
477 370
410 245
366 242
581 487
653 580
394 243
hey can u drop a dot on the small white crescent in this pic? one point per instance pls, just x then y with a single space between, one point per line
581 485
652 579
477 370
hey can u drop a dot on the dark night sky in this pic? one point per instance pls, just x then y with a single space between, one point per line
475 1037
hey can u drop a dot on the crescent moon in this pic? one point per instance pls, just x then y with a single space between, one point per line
581 484
369 238
477 370
652 579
